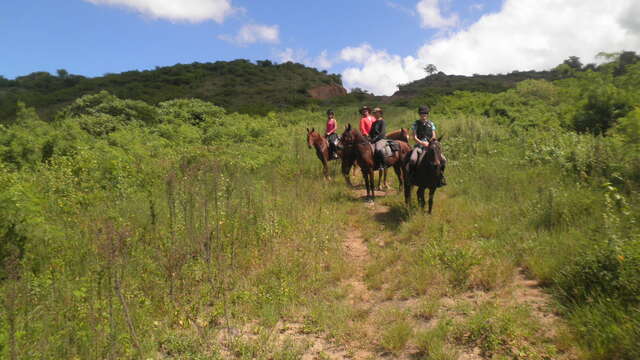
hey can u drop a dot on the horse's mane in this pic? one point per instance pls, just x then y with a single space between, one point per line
315 134
357 136
434 149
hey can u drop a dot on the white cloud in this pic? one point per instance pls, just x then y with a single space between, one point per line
431 16
301 56
401 8
358 54
523 35
380 72
323 61
534 34
176 10
253 33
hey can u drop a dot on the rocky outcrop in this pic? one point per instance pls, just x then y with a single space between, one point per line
324 92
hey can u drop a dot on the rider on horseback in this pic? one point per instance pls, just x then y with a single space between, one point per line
366 121
377 138
331 135
424 130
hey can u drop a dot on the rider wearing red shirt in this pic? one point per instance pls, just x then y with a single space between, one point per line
366 121
331 135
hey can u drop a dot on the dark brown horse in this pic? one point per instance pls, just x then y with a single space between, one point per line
397 161
358 149
320 143
426 174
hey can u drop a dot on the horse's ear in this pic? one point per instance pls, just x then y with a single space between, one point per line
308 130
349 126
313 129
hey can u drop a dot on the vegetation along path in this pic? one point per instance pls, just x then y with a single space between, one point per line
449 318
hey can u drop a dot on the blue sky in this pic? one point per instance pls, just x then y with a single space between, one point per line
374 44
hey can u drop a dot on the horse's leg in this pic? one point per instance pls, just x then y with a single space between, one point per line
367 184
407 186
346 169
386 186
380 176
398 170
421 196
372 183
432 192
325 169
407 193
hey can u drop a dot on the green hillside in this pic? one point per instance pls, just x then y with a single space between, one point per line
238 85
439 84
181 230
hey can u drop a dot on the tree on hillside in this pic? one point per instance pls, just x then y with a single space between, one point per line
574 62
62 73
431 69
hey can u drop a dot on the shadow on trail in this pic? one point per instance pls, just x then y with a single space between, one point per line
392 219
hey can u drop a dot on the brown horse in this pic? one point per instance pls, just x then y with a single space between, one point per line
358 149
397 161
426 174
320 143
400 135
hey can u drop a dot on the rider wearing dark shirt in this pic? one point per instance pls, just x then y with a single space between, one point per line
379 128
424 131
378 134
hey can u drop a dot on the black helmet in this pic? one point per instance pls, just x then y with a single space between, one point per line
423 109
330 112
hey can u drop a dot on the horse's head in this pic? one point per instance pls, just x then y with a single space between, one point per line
311 135
405 134
434 154
348 136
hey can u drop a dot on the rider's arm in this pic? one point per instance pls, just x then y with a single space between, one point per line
423 143
380 130
434 136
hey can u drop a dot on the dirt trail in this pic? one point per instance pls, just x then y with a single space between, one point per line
374 304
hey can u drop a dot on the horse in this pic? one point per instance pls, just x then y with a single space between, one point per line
358 149
426 174
320 143
397 161
400 135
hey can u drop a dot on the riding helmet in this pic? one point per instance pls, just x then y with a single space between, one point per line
423 109
330 112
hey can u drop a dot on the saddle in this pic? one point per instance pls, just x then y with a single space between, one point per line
384 149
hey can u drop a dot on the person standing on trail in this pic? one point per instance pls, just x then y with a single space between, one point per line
330 134
377 135
424 130
366 121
